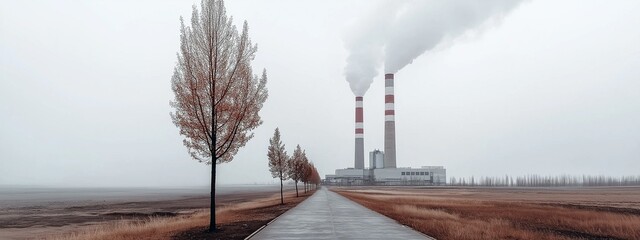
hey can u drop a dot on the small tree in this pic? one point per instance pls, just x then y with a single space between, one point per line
313 176
217 97
295 166
304 171
278 160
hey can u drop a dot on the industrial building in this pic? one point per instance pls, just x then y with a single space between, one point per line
376 175
382 165
376 159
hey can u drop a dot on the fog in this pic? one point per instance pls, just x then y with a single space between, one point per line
552 87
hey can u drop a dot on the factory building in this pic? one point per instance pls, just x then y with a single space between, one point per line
376 159
382 165
426 175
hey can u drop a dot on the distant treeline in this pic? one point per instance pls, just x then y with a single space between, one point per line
546 181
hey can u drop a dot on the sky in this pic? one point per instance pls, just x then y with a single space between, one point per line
550 87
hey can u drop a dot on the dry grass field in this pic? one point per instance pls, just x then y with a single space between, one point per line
509 213
236 221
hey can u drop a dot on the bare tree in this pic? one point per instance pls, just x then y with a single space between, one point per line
278 160
295 166
304 171
315 177
535 180
217 97
311 176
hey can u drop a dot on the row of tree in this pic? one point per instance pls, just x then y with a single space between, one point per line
546 181
296 167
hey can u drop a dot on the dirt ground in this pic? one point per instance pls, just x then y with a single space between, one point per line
626 199
511 213
60 217
245 221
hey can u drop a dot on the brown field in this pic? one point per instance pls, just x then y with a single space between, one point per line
155 214
508 213
235 221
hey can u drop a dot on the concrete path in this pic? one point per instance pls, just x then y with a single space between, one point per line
327 215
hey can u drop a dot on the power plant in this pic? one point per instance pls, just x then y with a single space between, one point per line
382 165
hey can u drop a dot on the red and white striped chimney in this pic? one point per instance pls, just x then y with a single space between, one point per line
359 156
389 123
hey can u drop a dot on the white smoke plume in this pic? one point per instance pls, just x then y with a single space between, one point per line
398 32
365 40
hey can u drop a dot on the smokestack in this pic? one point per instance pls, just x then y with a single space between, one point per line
389 123
359 156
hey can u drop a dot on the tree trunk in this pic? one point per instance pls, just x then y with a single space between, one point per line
212 218
296 188
281 197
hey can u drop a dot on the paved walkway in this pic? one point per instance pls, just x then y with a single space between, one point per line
327 215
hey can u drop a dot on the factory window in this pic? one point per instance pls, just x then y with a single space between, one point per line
427 173
402 173
413 173
421 173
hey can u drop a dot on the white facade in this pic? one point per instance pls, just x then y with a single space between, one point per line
425 175
376 159
351 173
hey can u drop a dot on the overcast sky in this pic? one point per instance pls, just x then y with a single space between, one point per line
553 87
